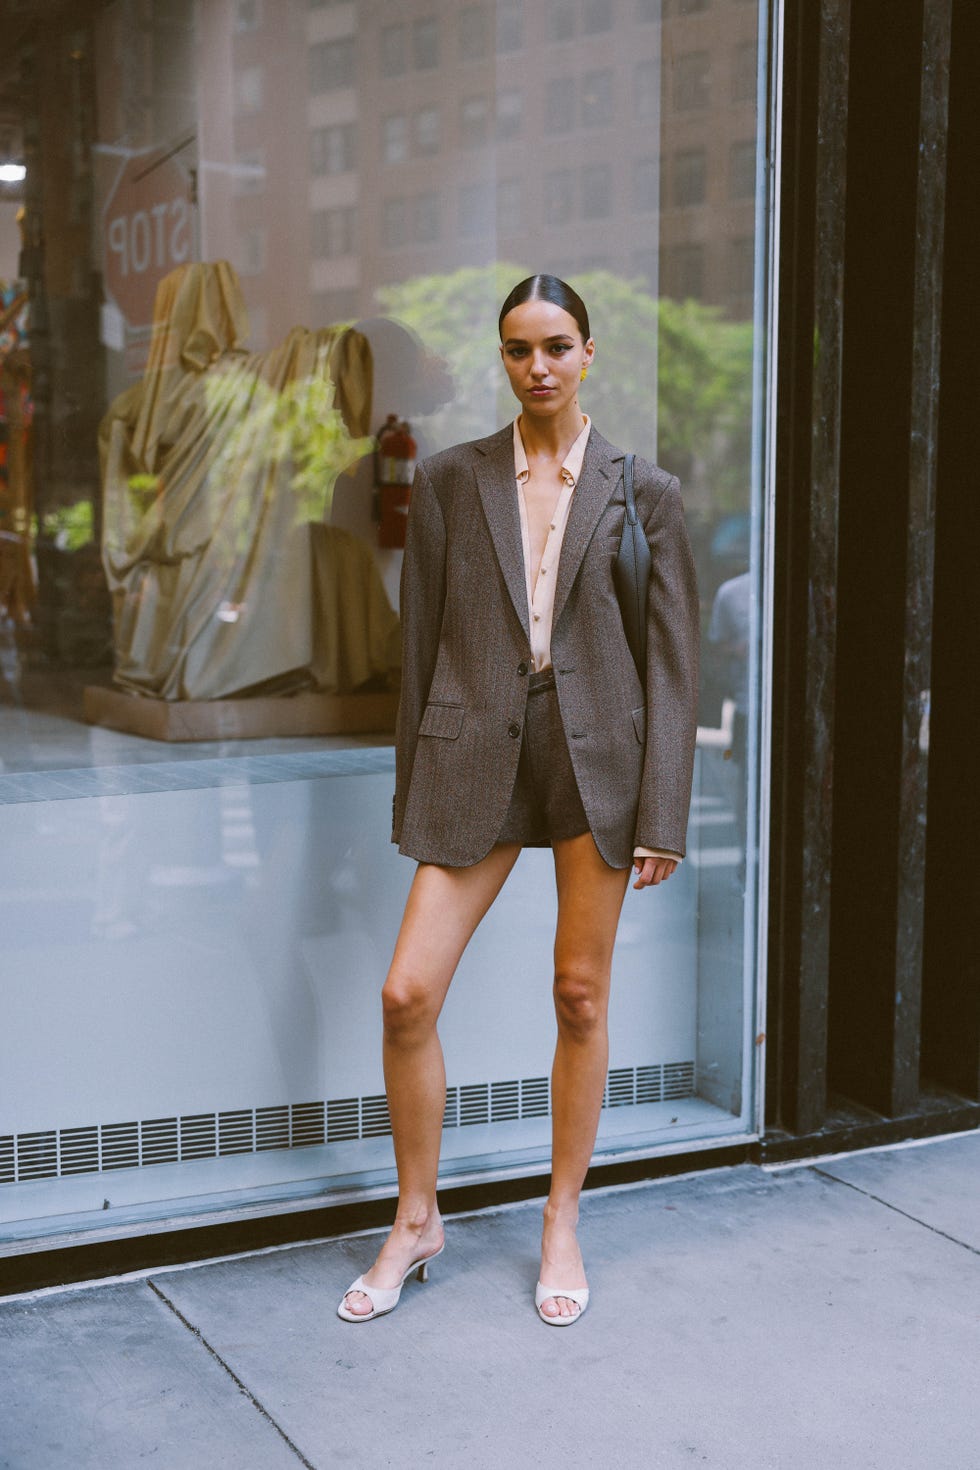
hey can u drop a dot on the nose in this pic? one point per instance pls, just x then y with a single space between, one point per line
539 366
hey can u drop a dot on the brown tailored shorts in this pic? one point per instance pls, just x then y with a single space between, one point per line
545 806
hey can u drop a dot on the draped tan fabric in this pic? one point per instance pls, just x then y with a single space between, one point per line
218 470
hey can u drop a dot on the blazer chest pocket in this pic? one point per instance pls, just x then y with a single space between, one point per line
442 720
640 723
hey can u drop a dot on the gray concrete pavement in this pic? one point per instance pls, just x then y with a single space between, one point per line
819 1318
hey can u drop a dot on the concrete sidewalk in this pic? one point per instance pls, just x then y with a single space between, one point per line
825 1316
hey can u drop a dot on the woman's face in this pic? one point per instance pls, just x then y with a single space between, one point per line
543 352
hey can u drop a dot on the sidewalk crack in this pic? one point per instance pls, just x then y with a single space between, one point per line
825 1174
242 1387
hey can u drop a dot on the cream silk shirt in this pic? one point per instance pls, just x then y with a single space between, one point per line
541 596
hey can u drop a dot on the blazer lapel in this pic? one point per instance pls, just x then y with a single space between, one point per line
498 493
598 480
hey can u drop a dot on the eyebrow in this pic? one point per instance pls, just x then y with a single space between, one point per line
522 341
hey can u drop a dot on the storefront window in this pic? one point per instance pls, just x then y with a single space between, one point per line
248 234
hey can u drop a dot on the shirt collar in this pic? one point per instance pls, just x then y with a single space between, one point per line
572 464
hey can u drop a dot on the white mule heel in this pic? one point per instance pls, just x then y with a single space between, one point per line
384 1299
579 1295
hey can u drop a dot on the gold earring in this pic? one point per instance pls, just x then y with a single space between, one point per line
583 375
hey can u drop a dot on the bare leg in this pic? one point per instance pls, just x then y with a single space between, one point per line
590 897
444 907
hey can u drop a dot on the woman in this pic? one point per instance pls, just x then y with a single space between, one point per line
524 722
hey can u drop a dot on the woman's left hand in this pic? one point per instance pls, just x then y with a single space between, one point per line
652 870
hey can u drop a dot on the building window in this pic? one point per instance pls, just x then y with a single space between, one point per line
333 150
426 218
509 212
333 233
561 20
248 15
559 196
476 203
474 117
744 69
691 89
742 175
684 272
690 172
248 89
394 224
474 33
597 99
646 91
331 65
249 174
646 185
393 59
561 96
596 191
425 44
427 131
597 15
510 26
509 114
741 273
394 138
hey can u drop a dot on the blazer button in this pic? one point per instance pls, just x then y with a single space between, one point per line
522 668
513 730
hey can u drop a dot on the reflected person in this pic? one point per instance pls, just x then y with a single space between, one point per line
523 722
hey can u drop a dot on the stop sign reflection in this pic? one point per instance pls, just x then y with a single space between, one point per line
146 232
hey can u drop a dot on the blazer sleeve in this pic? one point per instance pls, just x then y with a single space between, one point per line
423 594
673 652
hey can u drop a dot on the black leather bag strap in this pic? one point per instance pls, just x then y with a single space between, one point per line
631 576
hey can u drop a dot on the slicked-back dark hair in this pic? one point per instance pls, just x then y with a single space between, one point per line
547 288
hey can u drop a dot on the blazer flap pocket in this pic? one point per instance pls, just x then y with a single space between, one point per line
640 723
442 720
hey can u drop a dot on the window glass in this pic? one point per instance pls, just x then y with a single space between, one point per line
261 240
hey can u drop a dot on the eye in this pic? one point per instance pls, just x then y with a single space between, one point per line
561 347
516 351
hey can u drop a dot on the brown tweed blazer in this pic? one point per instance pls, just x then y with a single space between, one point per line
467 657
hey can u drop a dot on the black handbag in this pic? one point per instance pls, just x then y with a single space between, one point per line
631 575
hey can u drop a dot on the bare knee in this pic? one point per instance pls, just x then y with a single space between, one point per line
407 1008
580 1002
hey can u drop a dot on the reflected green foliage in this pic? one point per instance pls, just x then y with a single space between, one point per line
69 528
671 380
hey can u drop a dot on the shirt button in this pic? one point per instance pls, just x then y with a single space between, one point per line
537 617
513 731
522 668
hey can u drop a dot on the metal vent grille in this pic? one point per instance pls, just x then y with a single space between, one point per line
55 1153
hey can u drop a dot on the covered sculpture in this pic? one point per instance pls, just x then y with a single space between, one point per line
218 469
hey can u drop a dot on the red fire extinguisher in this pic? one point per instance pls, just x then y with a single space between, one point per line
396 470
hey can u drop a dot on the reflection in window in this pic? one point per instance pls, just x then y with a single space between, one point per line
559 196
597 99
562 20
427 131
510 25
596 191
426 218
249 175
684 272
394 138
474 116
393 58
690 7
248 89
250 251
649 10
333 233
691 78
425 44
646 91
646 185
509 111
744 72
597 15
476 203
332 150
690 170
742 174
509 221
741 273
394 223
331 65
561 95
474 33
248 15
646 264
